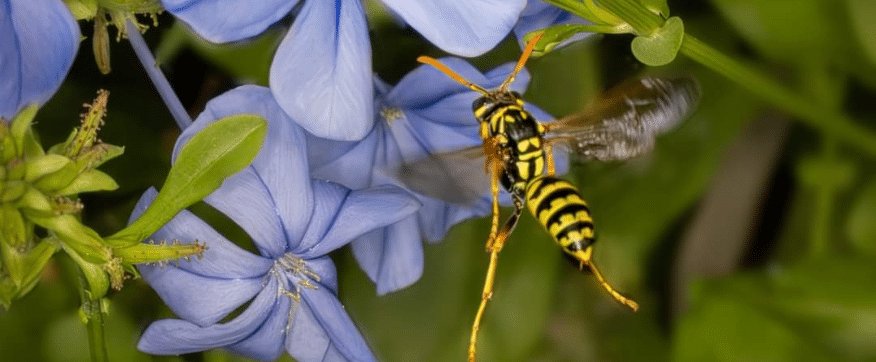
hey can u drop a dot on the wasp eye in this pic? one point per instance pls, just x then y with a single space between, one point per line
478 104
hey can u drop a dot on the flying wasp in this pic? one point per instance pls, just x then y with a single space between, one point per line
517 153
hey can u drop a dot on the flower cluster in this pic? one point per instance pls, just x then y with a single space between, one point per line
354 133
294 222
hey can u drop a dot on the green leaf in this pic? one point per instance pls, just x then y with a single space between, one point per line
860 225
863 15
661 47
213 154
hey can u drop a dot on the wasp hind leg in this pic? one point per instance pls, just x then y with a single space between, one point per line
590 264
494 246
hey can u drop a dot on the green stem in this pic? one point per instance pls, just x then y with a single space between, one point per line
632 12
92 313
811 113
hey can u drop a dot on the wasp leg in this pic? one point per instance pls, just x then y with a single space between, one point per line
549 158
494 248
494 165
588 261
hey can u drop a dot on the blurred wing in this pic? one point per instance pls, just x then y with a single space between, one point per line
625 122
457 177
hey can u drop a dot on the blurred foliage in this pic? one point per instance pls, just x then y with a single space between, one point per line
801 292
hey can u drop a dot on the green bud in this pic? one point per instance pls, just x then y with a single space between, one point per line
92 180
133 6
13 190
15 169
82 9
86 135
34 203
150 253
20 126
100 43
13 264
35 168
13 229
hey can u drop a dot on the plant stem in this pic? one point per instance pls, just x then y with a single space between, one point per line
92 313
811 113
158 80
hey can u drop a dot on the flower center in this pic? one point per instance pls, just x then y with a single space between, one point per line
292 271
391 114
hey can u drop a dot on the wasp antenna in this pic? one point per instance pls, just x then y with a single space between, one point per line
450 73
523 58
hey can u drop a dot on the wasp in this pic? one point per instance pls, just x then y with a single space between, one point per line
517 154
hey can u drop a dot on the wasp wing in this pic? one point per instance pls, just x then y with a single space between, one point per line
625 122
458 177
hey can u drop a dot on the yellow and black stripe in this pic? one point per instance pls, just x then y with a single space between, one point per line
560 208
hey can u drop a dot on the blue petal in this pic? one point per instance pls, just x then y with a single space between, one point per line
199 299
331 316
174 336
276 183
38 42
222 259
467 28
222 21
308 340
321 73
538 15
267 343
393 256
361 212
347 163
328 197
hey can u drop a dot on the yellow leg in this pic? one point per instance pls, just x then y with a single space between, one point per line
617 296
493 248
549 158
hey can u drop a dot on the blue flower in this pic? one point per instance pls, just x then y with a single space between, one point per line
321 73
425 113
38 42
294 222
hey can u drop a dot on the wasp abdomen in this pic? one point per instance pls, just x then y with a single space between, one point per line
559 207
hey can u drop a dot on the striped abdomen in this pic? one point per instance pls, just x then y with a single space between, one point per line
559 207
